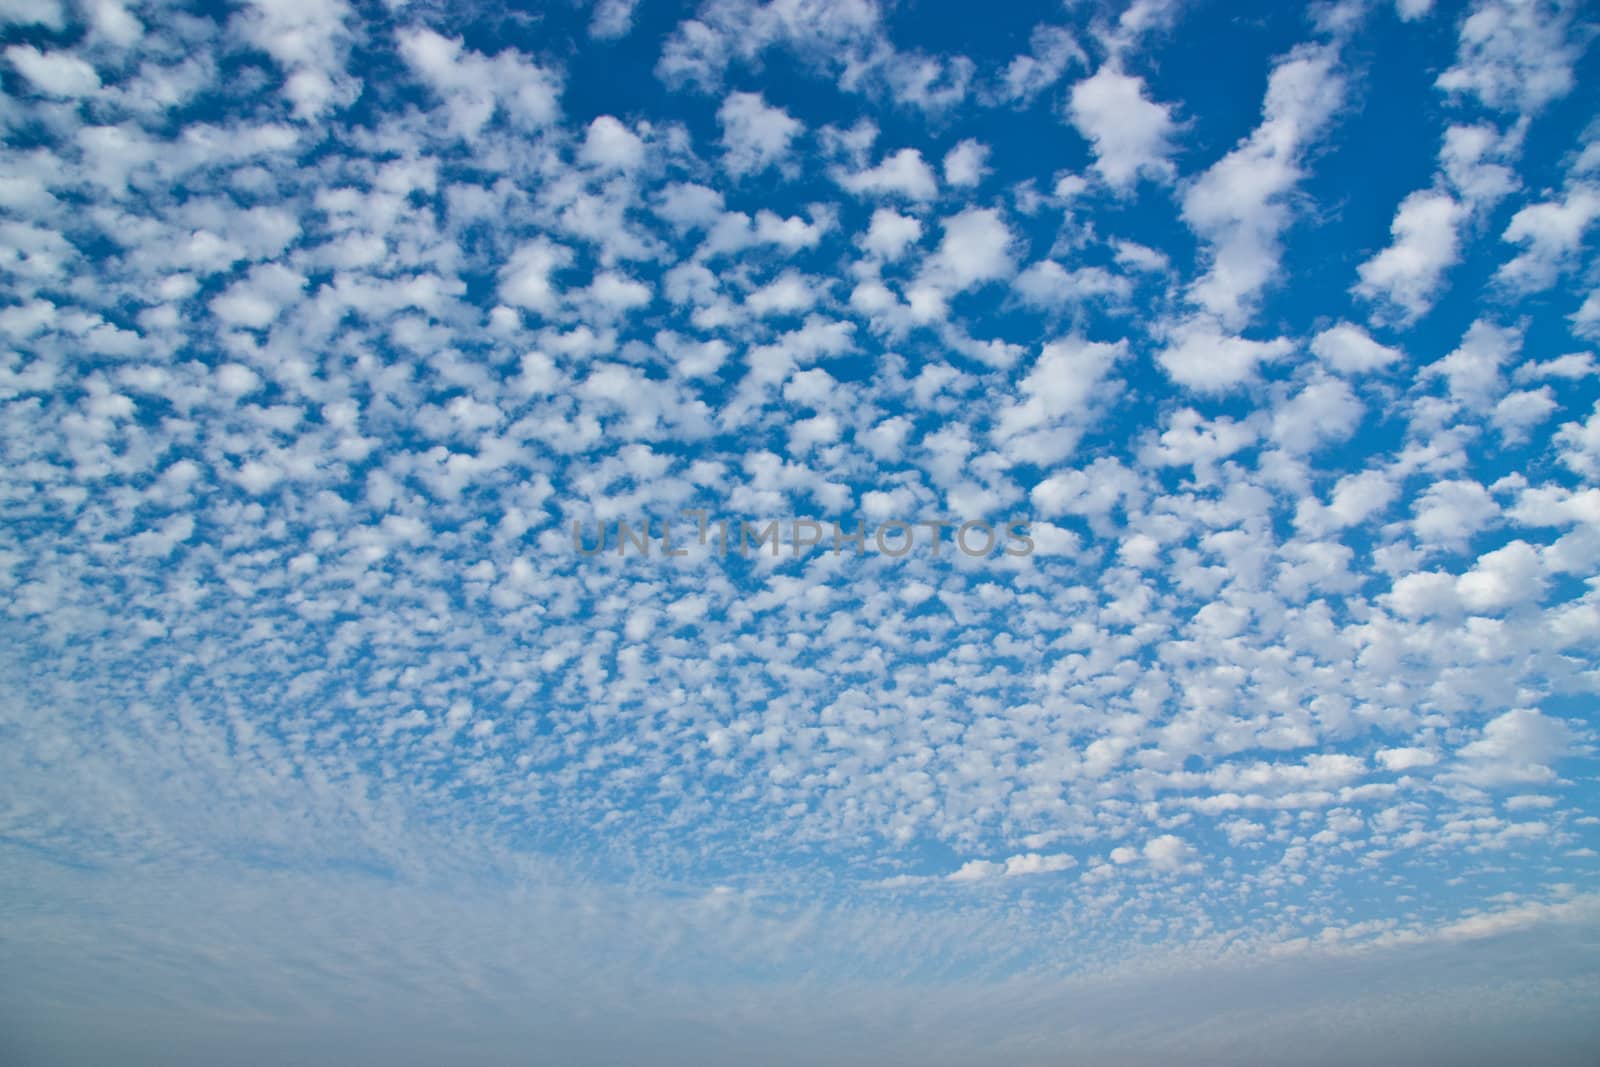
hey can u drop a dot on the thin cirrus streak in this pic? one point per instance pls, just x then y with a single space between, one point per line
1103 505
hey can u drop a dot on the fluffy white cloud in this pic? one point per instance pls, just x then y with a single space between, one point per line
472 86
612 19
890 233
257 300
1358 497
1517 413
964 164
1053 51
977 246
1500 579
832 32
1043 424
755 135
1450 512
1427 229
1515 748
1013 867
608 143
1324 411
1131 135
1170 853
1406 759
310 41
304 400
904 173
787 294
1586 320
1239 205
1579 444
1200 355
1048 284
1472 369
1426 244
525 278
1514 54
1190 440
56 73
47 13
1350 349
1552 233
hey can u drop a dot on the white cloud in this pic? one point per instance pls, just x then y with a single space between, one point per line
1017 866
1474 161
832 32
1358 497
1239 205
755 136
237 380
1516 747
1503 578
112 22
612 19
789 293
1349 349
1519 412
1579 444
1140 257
1053 52
1131 135
977 247
928 83
1572 366
612 293
1427 228
1426 244
904 173
1514 54
1450 512
319 392
1423 594
1048 284
56 73
310 41
1190 439
964 165
688 205
890 233
1034 863
608 143
257 300
1199 355
47 13
1138 19
525 278
472 86
1170 853
1552 233
1043 424
1406 759
1325 411
1472 369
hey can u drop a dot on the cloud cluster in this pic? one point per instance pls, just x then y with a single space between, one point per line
322 331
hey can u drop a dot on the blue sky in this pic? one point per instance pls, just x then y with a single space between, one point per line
324 323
